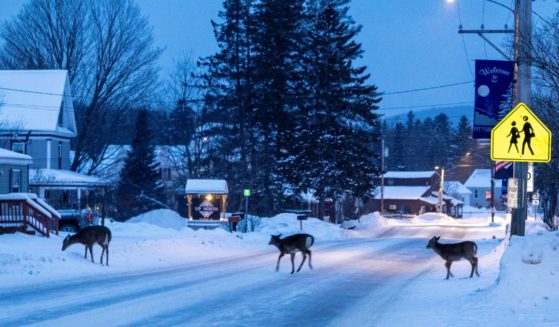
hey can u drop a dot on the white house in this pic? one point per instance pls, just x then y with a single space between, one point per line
479 183
37 119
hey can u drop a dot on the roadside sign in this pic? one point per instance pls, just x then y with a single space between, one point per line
530 178
521 137
246 192
512 195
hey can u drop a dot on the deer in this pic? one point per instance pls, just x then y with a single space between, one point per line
292 244
454 252
89 236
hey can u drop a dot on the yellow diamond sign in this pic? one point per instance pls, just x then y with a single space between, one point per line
521 136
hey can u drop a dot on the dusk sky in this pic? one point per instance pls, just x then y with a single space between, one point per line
408 44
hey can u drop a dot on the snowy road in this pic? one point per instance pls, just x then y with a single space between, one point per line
354 282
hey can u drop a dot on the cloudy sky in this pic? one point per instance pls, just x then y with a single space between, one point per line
409 44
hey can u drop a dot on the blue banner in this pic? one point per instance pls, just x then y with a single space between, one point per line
493 99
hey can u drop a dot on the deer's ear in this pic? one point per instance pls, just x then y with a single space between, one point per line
438 238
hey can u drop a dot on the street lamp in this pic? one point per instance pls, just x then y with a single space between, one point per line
441 189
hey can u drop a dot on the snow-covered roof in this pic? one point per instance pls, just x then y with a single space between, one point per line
430 199
402 192
8 157
409 174
206 186
31 100
479 178
56 177
455 187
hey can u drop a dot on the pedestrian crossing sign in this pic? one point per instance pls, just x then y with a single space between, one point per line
521 136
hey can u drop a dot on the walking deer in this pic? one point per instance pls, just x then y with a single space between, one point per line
292 244
89 236
454 252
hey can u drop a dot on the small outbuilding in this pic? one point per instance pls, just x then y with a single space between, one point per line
207 200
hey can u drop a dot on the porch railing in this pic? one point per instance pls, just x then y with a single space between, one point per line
21 212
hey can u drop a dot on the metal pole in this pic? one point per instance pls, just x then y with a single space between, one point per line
246 214
441 190
522 93
382 178
492 191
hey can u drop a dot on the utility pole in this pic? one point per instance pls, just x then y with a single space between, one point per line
441 190
522 93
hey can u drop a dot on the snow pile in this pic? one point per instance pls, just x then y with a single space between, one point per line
162 217
287 224
433 218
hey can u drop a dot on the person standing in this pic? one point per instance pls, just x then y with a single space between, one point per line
528 134
514 135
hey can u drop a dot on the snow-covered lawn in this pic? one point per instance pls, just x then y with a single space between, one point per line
518 283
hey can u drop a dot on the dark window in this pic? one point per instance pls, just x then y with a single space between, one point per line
475 194
60 115
59 155
18 147
15 180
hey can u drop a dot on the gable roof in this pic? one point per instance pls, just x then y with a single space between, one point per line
31 100
456 187
479 178
206 186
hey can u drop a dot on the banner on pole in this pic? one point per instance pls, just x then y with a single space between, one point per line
493 98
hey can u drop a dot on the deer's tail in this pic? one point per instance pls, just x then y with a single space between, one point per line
310 241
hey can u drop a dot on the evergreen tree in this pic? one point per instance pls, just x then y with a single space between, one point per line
229 93
442 135
397 151
139 188
462 141
278 49
337 140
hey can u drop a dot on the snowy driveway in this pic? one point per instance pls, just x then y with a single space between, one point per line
355 282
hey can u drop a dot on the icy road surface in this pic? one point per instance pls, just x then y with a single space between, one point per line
367 282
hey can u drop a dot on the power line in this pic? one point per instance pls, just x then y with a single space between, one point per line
428 88
429 105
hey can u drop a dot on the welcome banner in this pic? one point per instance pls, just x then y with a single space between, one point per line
493 99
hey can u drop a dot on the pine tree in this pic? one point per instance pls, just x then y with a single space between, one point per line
139 188
337 140
279 45
229 93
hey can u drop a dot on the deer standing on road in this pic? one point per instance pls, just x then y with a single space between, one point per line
89 236
454 252
292 244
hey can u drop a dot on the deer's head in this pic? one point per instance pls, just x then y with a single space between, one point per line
433 242
274 239
66 243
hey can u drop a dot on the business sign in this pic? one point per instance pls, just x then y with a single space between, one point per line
493 98
205 209
512 195
521 136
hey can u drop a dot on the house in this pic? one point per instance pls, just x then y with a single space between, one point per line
458 191
410 192
479 183
14 172
37 119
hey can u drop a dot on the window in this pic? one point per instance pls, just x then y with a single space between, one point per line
59 155
60 115
15 180
18 147
475 194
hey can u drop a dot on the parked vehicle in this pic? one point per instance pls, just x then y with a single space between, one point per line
73 220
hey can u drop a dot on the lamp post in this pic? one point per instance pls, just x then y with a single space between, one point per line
441 189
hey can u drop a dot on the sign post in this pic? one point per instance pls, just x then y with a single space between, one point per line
246 193
520 137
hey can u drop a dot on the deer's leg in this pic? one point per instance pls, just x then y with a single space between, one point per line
302 262
85 255
309 253
91 252
279 258
102 253
447 265
474 263
107 254
292 262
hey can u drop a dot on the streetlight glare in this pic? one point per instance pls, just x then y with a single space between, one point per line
450 1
